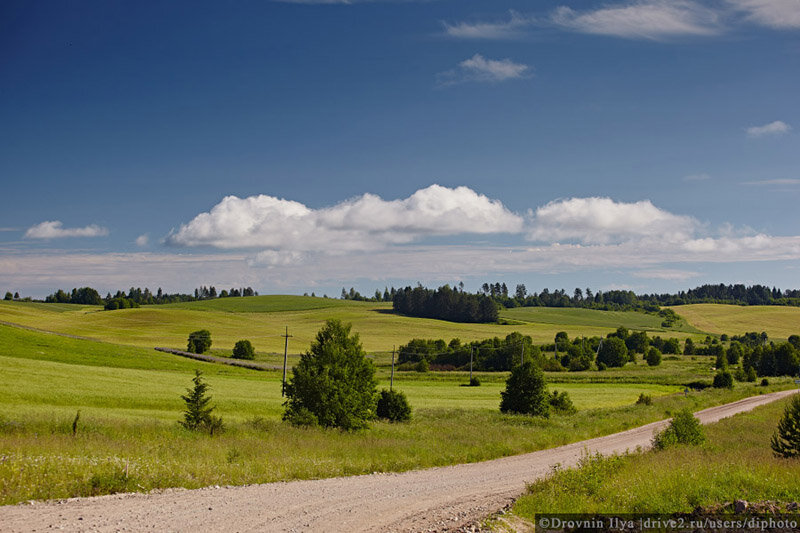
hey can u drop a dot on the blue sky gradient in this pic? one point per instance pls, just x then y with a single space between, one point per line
124 121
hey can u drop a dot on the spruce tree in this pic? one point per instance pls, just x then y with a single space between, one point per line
197 415
786 440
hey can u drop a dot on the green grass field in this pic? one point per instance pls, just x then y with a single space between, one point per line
592 317
263 319
735 463
779 322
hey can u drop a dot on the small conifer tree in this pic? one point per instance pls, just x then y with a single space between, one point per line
786 440
197 415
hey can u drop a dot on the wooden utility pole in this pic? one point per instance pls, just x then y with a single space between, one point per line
391 380
522 353
285 355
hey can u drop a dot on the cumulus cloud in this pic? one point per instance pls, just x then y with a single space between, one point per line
54 230
488 30
641 20
602 220
142 240
778 14
479 69
773 128
363 223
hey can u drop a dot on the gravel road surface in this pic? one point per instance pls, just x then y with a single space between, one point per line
436 499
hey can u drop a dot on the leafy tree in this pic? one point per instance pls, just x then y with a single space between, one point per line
197 414
653 356
684 428
688 347
561 403
723 380
786 440
525 391
637 342
334 380
199 341
393 406
243 349
613 352
8 296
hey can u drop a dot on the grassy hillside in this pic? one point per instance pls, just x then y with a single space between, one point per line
736 463
779 322
263 324
592 317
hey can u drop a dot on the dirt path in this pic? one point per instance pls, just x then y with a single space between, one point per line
437 499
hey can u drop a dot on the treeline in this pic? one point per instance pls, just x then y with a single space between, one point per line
757 357
135 296
729 294
445 303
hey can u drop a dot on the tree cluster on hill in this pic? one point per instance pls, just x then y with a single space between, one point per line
729 294
488 354
84 295
445 303
136 296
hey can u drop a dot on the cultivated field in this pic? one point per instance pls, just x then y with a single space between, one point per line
779 322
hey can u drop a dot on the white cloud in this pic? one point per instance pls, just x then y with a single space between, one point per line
363 223
781 181
697 177
142 240
778 14
488 30
55 230
602 220
666 273
777 127
479 69
657 19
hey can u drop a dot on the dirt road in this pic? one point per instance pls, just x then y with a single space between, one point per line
437 499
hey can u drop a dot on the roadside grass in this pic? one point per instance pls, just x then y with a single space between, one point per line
594 317
41 459
170 325
736 462
778 321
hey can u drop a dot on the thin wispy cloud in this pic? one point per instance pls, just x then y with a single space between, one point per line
654 20
480 69
669 274
55 230
507 29
780 181
775 128
777 14
697 177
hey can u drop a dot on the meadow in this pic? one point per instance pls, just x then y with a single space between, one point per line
778 321
736 462
128 395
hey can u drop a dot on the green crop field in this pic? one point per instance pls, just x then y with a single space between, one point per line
592 317
778 321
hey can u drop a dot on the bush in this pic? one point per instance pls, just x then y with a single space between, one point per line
334 381
301 417
751 375
561 403
393 406
653 356
764 382
244 350
786 440
199 341
525 391
684 428
474 382
613 352
644 399
723 380
422 366
197 414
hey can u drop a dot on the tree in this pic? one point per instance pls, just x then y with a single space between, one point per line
393 406
8 296
684 428
526 391
197 415
334 381
199 341
653 356
244 350
723 380
786 440
613 352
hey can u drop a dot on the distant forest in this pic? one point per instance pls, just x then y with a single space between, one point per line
454 304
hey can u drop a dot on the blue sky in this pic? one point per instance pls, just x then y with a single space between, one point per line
306 146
